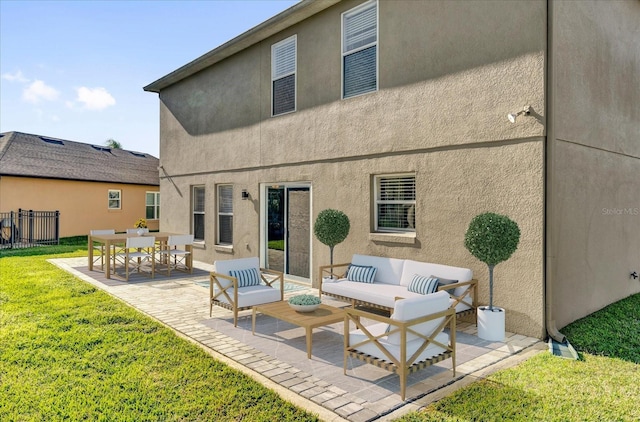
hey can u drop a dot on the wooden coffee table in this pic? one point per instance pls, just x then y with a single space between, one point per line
324 315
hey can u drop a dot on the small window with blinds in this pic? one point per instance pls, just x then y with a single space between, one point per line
360 50
198 213
283 76
395 207
225 215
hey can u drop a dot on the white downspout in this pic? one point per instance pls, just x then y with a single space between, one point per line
550 250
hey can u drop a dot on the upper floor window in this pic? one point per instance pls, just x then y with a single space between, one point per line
360 50
283 76
115 199
395 207
152 204
198 212
225 215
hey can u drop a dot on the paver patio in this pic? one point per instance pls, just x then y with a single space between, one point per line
276 354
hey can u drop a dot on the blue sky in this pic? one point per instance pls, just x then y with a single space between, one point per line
75 69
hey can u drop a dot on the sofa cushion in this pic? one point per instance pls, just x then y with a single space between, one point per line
438 270
423 285
225 266
416 307
253 295
248 277
389 270
382 294
444 281
361 273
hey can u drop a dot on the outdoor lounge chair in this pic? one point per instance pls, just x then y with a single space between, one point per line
239 284
407 341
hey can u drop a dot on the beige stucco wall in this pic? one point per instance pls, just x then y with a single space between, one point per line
449 72
594 166
83 206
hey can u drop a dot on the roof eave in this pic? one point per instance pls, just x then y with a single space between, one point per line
283 20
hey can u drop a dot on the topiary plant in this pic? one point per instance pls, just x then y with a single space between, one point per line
331 228
492 238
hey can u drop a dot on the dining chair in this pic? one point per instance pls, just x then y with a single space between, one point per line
137 255
175 254
100 248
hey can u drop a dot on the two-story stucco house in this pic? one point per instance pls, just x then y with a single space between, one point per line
396 112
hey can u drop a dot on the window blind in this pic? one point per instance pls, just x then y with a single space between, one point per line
225 214
283 68
359 49
395 203
360 28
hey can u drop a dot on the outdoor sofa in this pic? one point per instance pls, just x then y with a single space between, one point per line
394 278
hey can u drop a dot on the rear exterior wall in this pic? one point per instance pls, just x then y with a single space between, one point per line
594 165
448 74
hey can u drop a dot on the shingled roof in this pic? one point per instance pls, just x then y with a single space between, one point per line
22 154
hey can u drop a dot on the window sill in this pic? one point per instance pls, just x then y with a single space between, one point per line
199 244
223 248
403 238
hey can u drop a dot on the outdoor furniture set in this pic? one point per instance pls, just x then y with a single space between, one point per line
140 251
419 332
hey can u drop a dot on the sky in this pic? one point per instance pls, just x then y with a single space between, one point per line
75 69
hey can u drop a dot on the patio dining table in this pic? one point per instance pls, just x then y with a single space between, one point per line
109 240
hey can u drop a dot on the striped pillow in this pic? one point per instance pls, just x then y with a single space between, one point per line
423 285
361 273
248 277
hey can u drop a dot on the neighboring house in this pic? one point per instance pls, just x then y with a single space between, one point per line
395 112
93 186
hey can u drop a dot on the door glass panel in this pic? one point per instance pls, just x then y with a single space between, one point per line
275 228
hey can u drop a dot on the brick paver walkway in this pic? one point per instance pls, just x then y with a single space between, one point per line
182 303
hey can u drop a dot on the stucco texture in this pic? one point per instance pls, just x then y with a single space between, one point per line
594 183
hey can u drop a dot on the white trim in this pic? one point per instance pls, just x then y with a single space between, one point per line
226 214
119 199
353 11
194 212
264 187
293 38
377 201
155 205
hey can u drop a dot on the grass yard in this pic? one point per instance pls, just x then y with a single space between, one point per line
604 385
69 351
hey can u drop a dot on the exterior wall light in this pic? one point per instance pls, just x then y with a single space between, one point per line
245 194
513 116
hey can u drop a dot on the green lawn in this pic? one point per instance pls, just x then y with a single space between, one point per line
69 351
604 385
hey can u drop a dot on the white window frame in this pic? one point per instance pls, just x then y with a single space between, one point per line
195 212
220 213
411 204
354 11
111 197
276 77
155 205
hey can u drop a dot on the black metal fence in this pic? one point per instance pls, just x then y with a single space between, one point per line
26 228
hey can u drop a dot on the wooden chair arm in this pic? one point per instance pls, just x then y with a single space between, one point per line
323 268
358 313
471 282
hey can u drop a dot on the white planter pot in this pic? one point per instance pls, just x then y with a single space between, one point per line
491 323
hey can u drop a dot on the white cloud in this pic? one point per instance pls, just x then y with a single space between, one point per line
38 91
15 77
95 98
